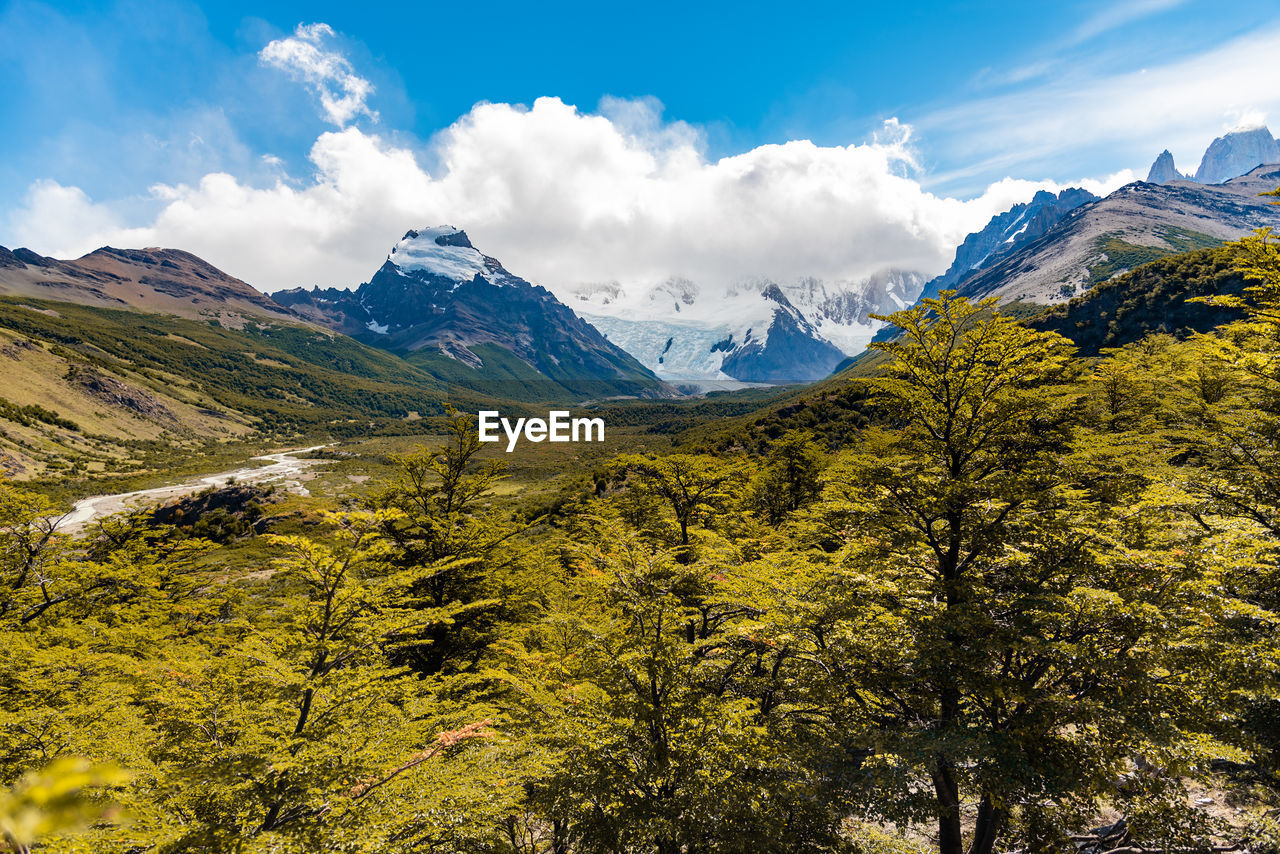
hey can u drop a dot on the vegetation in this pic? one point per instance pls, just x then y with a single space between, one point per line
1156 297
983 601
1118 256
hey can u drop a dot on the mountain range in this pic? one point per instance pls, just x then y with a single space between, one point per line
123 346
757 332
462 316
1137 223
1229 156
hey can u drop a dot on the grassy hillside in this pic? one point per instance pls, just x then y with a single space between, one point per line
92 389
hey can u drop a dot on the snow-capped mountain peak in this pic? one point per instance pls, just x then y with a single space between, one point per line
446 252
438 295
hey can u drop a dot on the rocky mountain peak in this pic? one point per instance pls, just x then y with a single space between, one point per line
774 293
1163 171
1008 232
441 235
439 297
444 253
1235 153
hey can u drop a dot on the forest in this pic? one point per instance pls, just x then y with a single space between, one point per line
1002 596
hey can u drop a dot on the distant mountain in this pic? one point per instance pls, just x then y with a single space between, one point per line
757 331
1229 156
1007 233
162 280
462 316
1163 171
1236 153
99 389
1139 222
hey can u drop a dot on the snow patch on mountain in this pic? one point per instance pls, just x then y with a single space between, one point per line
755 330
446 252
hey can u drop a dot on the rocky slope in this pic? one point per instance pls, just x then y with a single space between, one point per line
1008 233
1138 223
1156 297
467 319
160 280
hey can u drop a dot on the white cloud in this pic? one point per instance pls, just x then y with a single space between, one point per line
562 197
1245 118
328 73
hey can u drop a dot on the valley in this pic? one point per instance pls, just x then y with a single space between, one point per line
860 565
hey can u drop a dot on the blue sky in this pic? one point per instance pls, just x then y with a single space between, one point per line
105 101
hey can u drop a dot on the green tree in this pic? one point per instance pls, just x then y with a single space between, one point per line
654 748
296 732
479 573
998 631
1227 450
690 484
789 480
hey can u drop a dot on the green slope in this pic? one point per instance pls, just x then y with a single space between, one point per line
94 389
1151 298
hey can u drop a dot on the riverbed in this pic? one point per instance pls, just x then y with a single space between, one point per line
284 469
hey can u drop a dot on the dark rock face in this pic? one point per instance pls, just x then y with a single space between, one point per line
222 515
452 298
1007 233
116 393
33 259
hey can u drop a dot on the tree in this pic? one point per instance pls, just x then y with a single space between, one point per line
654 747
1228 450
690 484
467 560
790 478
296 731
62 798
997 630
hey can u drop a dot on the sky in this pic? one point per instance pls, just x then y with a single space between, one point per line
293 144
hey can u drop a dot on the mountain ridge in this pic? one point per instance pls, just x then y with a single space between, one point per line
437 297
1231 155
1137 223
152 279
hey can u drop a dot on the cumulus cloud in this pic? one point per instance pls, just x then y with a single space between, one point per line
307 56
1245 118
562 197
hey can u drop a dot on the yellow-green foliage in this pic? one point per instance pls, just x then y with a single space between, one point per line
1011 593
